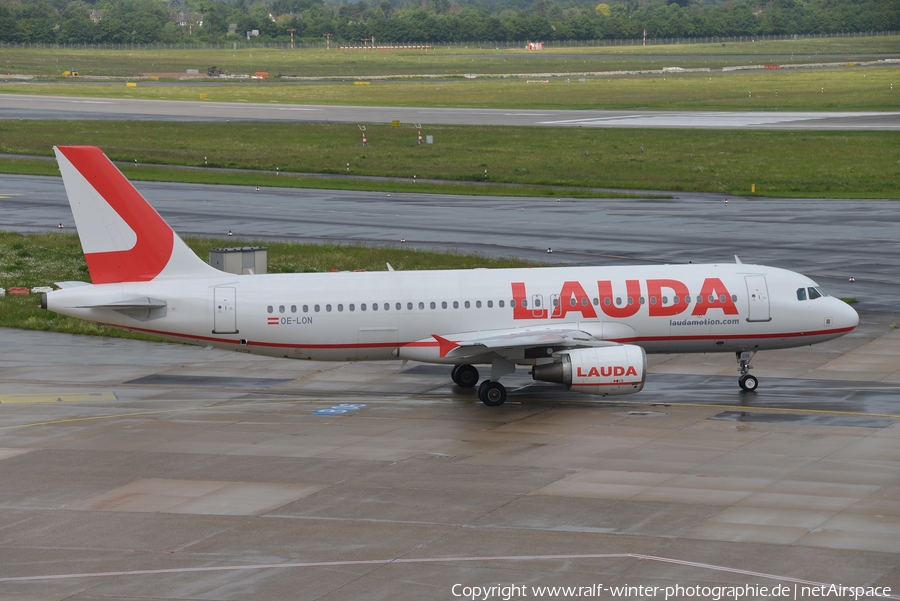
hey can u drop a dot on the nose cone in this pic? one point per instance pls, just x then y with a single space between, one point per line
846 317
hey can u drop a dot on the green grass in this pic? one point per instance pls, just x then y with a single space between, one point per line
442 60
339 182
779 163
839 89
41 259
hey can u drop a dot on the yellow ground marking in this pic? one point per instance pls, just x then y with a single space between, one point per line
65 397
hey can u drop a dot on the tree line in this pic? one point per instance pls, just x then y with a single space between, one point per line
217 21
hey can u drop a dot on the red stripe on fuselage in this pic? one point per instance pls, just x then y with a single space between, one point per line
155 239
425 344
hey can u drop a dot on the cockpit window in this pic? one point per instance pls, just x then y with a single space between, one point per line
815 292
801 293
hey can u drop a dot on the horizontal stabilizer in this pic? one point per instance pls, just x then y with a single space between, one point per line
140 303
141 309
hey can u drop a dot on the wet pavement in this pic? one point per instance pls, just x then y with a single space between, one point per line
135 469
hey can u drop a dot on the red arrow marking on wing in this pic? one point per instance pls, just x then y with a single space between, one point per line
445 345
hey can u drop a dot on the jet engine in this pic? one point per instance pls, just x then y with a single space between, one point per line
605 370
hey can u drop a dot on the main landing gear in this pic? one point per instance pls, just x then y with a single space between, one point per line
491 392
464 376
747 381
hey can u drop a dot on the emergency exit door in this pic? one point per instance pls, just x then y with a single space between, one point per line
224 311
758 298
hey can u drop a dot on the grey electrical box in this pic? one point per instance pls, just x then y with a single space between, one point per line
240 260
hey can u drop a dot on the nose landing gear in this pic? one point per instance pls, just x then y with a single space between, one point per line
747 381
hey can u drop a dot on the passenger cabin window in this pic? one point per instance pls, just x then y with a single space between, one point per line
281 308
491 304
270 308
293 308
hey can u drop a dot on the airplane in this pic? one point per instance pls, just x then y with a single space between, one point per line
589 328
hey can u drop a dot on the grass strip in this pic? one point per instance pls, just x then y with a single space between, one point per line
458 60
831 164
838 89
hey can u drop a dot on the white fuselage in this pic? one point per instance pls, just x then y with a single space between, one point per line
388 315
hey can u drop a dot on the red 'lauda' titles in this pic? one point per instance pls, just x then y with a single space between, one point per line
655 288
520 309
713 295
606 371
573 291
608 303
714 289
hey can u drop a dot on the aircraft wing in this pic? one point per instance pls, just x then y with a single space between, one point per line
514 344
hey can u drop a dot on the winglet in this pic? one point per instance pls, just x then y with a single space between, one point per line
445 345
737 260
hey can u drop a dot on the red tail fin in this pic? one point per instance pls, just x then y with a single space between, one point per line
123 237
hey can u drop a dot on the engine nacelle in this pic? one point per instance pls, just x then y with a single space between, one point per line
606 370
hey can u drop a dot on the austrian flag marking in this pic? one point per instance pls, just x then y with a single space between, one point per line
273 321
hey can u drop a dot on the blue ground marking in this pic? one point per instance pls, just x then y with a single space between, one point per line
339 409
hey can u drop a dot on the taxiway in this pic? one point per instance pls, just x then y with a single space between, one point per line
27 106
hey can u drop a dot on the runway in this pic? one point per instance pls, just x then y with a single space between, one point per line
15 106
828 240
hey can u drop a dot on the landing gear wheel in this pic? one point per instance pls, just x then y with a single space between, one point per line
492 394
465 376
748 382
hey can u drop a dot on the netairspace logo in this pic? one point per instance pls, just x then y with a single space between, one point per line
507 592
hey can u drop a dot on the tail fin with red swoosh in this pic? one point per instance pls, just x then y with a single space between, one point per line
124 239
